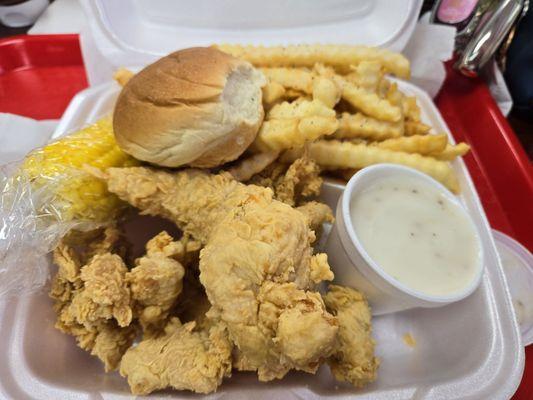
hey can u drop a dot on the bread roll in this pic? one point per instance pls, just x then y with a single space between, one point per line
196 106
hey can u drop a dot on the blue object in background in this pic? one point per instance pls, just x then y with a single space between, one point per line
519 67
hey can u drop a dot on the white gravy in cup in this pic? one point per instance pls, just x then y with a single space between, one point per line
404 240
416 235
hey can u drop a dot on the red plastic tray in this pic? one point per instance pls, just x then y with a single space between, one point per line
498 164
40 74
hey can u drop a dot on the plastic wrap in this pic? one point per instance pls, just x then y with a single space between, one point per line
50 193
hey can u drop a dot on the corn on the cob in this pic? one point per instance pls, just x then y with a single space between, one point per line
58 167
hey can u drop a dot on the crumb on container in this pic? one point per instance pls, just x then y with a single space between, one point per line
409 340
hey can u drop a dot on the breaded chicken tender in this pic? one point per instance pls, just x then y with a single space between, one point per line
353 358
252 242
156 281
97 302
304 330
316 214
111 342
105 294
293 183
181 358
93 303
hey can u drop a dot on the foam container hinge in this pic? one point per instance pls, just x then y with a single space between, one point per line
467 350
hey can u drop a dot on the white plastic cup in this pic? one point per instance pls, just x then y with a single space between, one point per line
517 262
353 266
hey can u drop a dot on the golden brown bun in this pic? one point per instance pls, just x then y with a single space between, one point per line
196 106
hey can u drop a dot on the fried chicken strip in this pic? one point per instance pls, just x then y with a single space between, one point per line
182 358
291 183
251 240
302 179
156 281
96 302
93 303
316 214
185 250
104 295
111 342
353 358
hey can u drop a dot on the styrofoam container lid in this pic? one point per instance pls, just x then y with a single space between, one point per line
517 264
137 32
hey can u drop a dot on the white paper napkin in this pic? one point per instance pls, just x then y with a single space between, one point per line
429 46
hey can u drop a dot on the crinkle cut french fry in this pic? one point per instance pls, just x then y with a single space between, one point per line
279 134
272 92
383 87
292 94
276 134
366 74
370 103
122 76
451 152
415 128
421 144
292 78
360 141
360 126
395 97
300 109
324 70
339 56
326 91
252 165
332 153
410 108
314 127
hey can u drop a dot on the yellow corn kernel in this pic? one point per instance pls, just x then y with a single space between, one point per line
58 169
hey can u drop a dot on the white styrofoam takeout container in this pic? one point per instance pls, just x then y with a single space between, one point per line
468 350
354 267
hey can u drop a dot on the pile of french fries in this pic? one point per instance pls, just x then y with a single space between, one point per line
336 104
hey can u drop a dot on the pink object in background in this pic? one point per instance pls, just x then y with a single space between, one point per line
455 11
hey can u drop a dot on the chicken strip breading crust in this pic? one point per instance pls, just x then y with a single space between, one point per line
105 294
317 214
250 240
156 281
182 358
91 302
291 183
353 358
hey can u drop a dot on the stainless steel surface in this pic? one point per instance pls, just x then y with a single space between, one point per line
482 13
487 38
468 26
